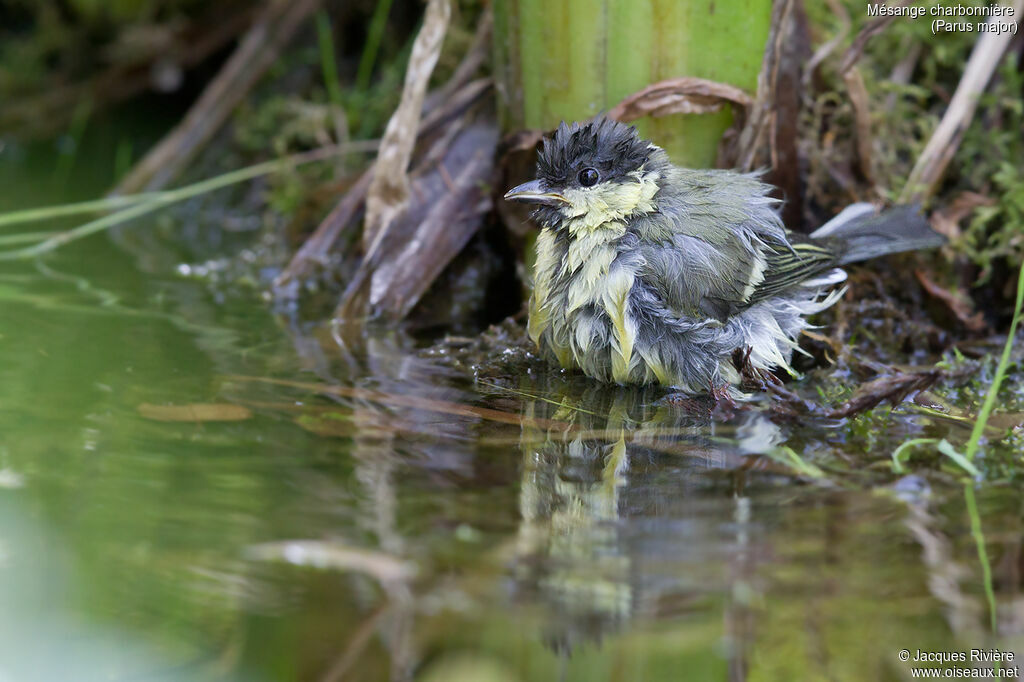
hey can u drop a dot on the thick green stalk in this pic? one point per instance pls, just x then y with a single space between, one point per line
570 59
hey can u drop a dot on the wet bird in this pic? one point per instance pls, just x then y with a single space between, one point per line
651 273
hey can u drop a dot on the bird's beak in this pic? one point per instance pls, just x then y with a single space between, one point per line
535 192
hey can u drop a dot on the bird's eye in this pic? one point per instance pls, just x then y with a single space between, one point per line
588 177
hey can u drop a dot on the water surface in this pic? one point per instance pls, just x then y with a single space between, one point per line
373 513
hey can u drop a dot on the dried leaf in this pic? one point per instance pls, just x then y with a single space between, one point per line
195 412
445 214
892 387
958 303
389 190
679 96
947 221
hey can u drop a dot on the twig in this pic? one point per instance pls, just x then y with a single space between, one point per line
858 92
434 229
904 69
927 172
891 387
823 52
414 402
856 49
862 120
476 56
759 122
356 645
257 51
316 247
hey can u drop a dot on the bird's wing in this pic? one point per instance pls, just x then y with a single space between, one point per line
791 266
719 246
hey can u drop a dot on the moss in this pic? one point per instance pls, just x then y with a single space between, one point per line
903 118
996 232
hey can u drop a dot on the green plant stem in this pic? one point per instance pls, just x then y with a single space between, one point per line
160 200
47 213
1004 362
25 237
373 37
898 454
328 59
79 122
979 540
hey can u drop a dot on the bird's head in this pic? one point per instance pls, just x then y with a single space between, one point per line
593 173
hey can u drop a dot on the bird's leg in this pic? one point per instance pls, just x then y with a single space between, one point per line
753 377
696 405
722 396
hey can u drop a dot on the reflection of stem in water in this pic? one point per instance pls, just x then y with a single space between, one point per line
355 647
739 617
373 451
979 539
944 573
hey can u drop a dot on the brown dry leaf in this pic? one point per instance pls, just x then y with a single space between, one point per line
835 344
678 96
957 302
195 412
439 221
947 221
891 387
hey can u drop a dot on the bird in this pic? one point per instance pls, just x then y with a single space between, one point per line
650 273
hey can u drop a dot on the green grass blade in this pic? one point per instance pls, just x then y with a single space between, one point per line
156 201
946 448
788 456
1004 362
328 58
66 210
903 452
25 237
373 37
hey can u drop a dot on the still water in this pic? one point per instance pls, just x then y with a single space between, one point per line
194 489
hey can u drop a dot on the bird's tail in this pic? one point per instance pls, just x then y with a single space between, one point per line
858 233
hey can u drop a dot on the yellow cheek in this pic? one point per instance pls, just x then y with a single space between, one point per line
608 202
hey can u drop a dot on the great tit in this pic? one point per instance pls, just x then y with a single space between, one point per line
651 273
